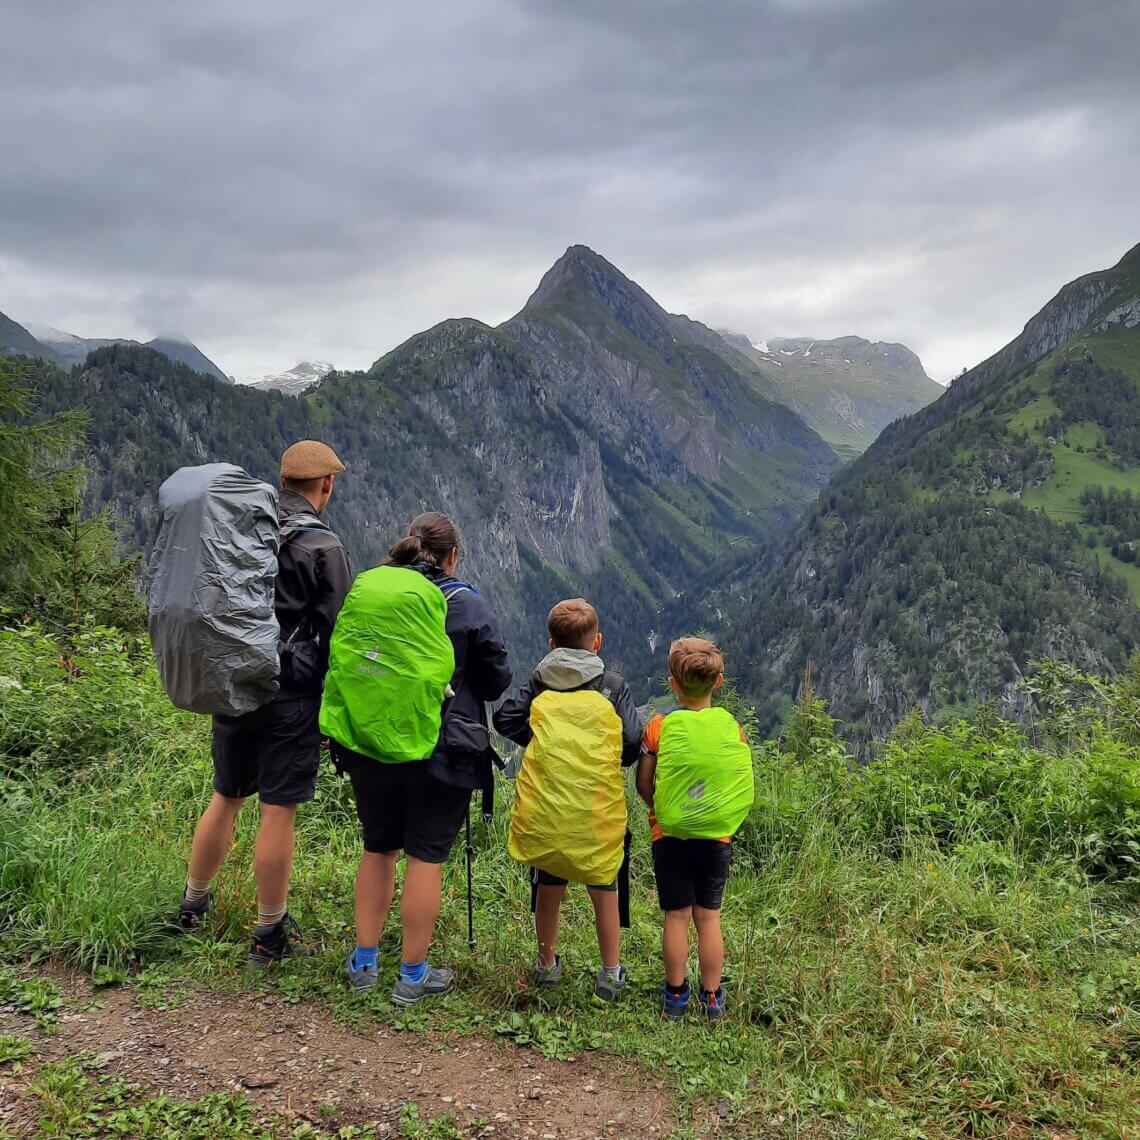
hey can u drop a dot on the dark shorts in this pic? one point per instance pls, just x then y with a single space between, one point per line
402 807
545 879
274 751
691 872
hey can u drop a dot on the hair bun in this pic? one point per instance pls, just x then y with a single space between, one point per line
407 550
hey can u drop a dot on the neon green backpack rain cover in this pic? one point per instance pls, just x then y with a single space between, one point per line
390 661
704 786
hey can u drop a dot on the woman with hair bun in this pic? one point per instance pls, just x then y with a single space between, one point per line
419 807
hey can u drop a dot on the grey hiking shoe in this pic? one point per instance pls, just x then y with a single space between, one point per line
608 988
547 977
437 980
360 978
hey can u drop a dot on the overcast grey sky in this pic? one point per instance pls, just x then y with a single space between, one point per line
286 180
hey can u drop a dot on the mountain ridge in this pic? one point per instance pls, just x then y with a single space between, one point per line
576 456
985 530
72 349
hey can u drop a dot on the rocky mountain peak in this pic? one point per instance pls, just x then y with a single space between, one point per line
581 278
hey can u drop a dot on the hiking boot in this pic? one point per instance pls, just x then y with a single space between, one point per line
437 980
711 1003
282 940
674 1002
191 915
360 978
608 988
547 977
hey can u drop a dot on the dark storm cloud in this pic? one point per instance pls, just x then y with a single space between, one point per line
282 179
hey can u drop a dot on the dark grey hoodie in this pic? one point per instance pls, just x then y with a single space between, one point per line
566 671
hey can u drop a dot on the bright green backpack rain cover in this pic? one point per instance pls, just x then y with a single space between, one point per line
704 785
390 661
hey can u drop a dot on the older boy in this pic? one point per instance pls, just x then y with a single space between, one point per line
696 777
580 727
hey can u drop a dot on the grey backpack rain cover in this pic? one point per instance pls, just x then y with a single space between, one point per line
212 574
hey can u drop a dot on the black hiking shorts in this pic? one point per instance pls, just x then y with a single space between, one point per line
273 752
403 807
691 872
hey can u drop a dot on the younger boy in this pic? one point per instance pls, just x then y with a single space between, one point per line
580 727
696 777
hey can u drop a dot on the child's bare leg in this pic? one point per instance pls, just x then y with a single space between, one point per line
675 945
547 904
608 923
710 946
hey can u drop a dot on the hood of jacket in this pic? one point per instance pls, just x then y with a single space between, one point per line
566 669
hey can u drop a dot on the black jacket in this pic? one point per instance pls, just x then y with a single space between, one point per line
313 578
482 674
567 670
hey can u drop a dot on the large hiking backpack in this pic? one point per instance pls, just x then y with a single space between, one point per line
569 815
704 784
210 601
390 662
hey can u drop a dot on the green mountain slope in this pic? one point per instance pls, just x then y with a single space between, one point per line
847 389
15 340
993 527
578 454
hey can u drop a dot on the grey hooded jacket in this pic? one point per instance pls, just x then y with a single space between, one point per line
565 671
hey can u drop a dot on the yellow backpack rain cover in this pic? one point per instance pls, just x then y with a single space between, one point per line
569 816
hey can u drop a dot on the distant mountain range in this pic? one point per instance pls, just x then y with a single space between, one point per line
296 380
848 389
996 526
15 340
71 349
593 443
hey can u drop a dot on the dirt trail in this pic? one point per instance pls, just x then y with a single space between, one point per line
294 1059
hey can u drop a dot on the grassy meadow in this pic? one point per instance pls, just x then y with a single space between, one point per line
944 943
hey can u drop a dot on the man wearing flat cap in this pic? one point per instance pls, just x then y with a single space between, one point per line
274 751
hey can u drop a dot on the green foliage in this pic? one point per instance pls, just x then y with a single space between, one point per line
915 946
92 699
38 997
14 1048
55 564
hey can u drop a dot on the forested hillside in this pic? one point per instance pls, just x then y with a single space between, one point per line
994 527
593 444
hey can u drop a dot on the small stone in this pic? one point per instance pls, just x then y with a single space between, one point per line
447 1099
533 1094
258 1081
107 1057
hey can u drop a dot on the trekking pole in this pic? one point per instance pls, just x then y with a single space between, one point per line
470 888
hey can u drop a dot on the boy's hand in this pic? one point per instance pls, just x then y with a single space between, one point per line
646 773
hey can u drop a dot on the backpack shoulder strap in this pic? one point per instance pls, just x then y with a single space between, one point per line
455 586
610 684
304 521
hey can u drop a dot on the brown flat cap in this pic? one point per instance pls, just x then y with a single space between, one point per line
310 459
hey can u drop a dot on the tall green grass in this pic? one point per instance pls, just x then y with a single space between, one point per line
943 943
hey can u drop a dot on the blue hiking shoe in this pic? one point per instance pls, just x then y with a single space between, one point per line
360 978
712 1004
674 1002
